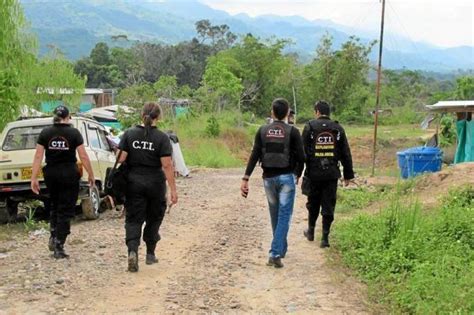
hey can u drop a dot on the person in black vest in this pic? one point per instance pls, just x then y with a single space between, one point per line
61 175
279 147
147 152
325 145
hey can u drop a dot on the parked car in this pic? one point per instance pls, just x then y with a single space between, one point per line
18 142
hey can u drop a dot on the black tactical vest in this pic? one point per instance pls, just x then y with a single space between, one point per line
321 148
276 145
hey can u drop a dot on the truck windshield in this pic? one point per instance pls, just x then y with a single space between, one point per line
22 138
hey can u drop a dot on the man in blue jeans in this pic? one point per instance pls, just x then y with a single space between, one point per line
279 148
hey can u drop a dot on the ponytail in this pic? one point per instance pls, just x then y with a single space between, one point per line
151 111
60 113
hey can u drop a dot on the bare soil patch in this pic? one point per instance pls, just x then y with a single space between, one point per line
212 260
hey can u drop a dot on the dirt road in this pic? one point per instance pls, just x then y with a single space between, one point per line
212 260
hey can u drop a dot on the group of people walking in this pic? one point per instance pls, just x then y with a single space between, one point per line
147 152
283 154
279 147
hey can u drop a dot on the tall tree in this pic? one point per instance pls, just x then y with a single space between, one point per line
261 66
98 69
222 86
219 36
16 57
464 88
335 74
166 86
52 78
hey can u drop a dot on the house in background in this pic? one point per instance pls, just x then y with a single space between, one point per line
464 126
94 98
91 98
174 107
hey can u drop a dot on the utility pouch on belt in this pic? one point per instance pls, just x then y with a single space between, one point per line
116 180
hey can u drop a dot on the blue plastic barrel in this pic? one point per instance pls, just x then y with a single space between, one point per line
419 160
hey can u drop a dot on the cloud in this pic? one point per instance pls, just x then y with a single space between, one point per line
443 23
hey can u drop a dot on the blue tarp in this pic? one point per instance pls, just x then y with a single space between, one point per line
465 145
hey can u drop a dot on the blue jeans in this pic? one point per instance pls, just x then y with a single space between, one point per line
280 191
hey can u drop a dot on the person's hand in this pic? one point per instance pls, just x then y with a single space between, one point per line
91 181
244 188
347 182
297 180
35 186
174 197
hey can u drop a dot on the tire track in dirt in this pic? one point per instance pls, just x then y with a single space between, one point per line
212 259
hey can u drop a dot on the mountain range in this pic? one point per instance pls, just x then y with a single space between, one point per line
75 26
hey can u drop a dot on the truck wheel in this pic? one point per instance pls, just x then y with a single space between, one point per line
4 217
90 205
8 211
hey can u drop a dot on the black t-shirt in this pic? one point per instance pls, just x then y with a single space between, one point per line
60 142
145 151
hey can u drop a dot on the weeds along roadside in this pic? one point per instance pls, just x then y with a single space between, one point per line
215 140
414 260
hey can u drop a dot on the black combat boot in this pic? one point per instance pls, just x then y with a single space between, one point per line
309 233
51 241
150 254
325 240
132 261
59 252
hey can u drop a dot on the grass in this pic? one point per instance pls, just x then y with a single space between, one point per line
216 143
414 261
349 200
225 139
386 132
209 153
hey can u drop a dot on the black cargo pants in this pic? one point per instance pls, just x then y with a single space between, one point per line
322 198
145 201
62 181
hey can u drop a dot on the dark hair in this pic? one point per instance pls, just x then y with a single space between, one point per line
323 108
150 112
61 112
280 108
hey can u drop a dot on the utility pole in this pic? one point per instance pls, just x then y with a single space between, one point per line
294 97
377 100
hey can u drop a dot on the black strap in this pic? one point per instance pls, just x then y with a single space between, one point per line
117 160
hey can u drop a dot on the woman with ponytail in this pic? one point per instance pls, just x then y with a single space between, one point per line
60 143
147 152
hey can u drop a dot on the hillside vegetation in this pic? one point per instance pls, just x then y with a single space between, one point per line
76 26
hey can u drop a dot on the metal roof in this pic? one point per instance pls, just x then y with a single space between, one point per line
65 91
39 121
452 106
93 91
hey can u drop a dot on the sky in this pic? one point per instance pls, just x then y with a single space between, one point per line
446 23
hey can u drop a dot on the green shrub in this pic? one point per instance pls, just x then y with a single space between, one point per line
213 128
447 131
415 262
402 115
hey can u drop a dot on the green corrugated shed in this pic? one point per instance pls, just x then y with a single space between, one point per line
49 106
464 126
465 145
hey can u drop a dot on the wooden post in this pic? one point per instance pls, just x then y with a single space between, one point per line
377 101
